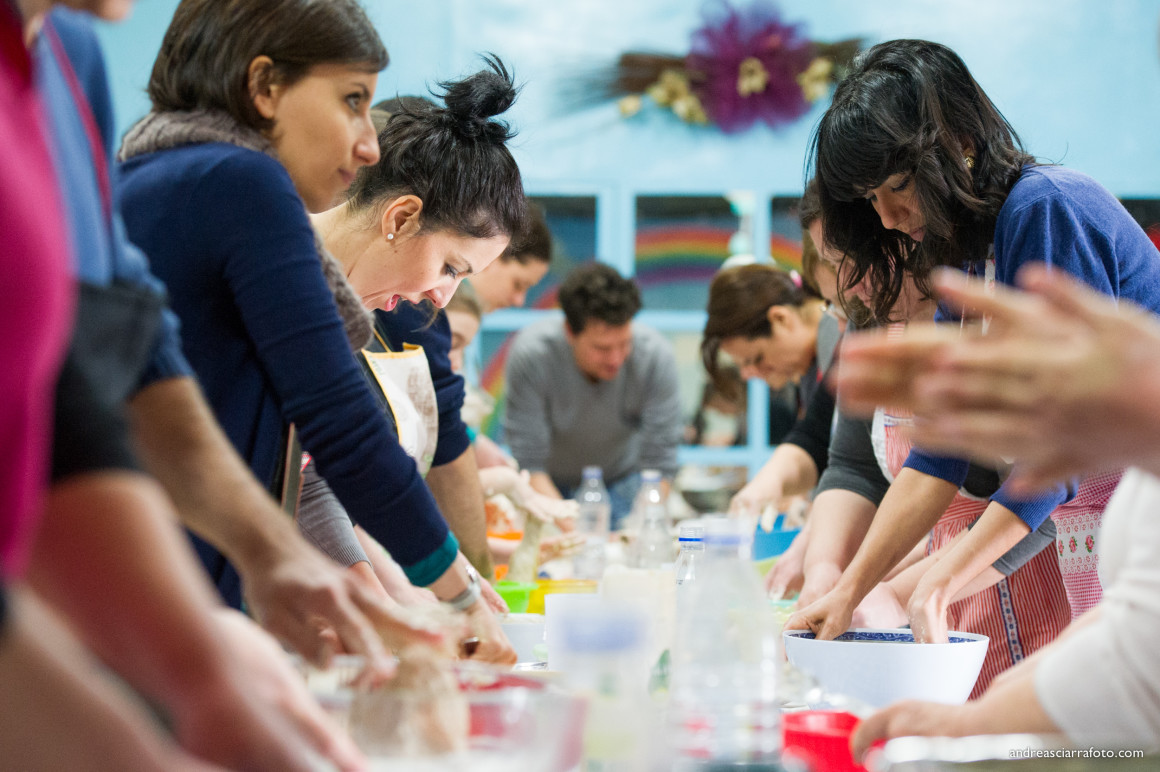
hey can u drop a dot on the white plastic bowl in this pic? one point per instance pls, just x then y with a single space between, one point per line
879 667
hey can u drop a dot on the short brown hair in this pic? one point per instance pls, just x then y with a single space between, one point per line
595 291
206 53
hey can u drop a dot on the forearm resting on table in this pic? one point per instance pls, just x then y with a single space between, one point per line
455 486
216 495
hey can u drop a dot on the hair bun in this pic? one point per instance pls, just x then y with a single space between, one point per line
472 102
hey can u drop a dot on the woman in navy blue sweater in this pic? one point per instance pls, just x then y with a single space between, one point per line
245 136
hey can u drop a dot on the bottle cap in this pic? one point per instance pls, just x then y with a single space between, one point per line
650 475
692 532
592 471
727 532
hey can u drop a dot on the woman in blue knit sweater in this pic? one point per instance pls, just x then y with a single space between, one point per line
261 113
918 169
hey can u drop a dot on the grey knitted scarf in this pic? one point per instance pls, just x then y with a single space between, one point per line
162 131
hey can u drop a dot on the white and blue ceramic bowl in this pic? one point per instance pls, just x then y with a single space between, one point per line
879 667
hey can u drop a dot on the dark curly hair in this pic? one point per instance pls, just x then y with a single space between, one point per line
597 292
912 106
454 158
206 53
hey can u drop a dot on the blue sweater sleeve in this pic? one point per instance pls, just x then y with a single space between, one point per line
1053 217
255 225
115 259
413 324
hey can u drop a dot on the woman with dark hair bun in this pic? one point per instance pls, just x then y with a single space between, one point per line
917 169
260 113
442 203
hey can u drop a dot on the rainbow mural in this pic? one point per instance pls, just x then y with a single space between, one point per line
678 253
786 252
493 380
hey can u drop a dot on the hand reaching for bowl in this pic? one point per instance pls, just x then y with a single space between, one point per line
880 608
787 575
828 617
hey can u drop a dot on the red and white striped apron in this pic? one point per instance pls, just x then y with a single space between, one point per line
1021 613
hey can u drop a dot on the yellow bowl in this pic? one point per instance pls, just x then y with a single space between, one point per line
762 566
549 586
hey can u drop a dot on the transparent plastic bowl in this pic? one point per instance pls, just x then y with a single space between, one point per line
515 722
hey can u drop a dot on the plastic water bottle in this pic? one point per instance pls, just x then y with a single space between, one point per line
691 542
654 541
725 660
603 660
592 522
650 493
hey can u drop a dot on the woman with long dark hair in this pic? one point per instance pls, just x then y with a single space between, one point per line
916 169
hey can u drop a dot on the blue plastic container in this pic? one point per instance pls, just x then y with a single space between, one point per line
768 544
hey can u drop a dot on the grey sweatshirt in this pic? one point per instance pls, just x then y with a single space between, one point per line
557 421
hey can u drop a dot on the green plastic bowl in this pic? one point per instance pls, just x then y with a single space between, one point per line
515 594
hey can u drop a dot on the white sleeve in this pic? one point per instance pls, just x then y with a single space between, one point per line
1102 684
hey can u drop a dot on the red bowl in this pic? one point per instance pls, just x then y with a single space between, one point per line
820 739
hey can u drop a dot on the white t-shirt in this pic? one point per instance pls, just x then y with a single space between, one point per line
1102 684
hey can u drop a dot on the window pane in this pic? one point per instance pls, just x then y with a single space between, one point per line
680 242
572 222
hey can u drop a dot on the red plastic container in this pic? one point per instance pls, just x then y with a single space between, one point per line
820 739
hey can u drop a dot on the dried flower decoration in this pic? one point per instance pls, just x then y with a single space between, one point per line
744 66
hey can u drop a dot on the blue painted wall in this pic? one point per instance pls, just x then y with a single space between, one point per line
1079 79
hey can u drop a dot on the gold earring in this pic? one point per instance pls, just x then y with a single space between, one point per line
969 160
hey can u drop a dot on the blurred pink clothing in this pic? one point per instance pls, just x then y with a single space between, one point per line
37 292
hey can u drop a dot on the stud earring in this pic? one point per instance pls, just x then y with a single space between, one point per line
969 160
390 236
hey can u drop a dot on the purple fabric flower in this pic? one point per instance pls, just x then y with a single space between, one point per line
723 51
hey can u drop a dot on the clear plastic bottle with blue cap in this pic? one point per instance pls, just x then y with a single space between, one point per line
726 659
592 521
692 554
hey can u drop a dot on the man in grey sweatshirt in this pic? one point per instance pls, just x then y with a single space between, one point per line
593 388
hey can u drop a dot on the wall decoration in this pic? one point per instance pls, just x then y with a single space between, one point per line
745 65
681 241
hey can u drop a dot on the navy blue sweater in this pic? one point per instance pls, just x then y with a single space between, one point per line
228 234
